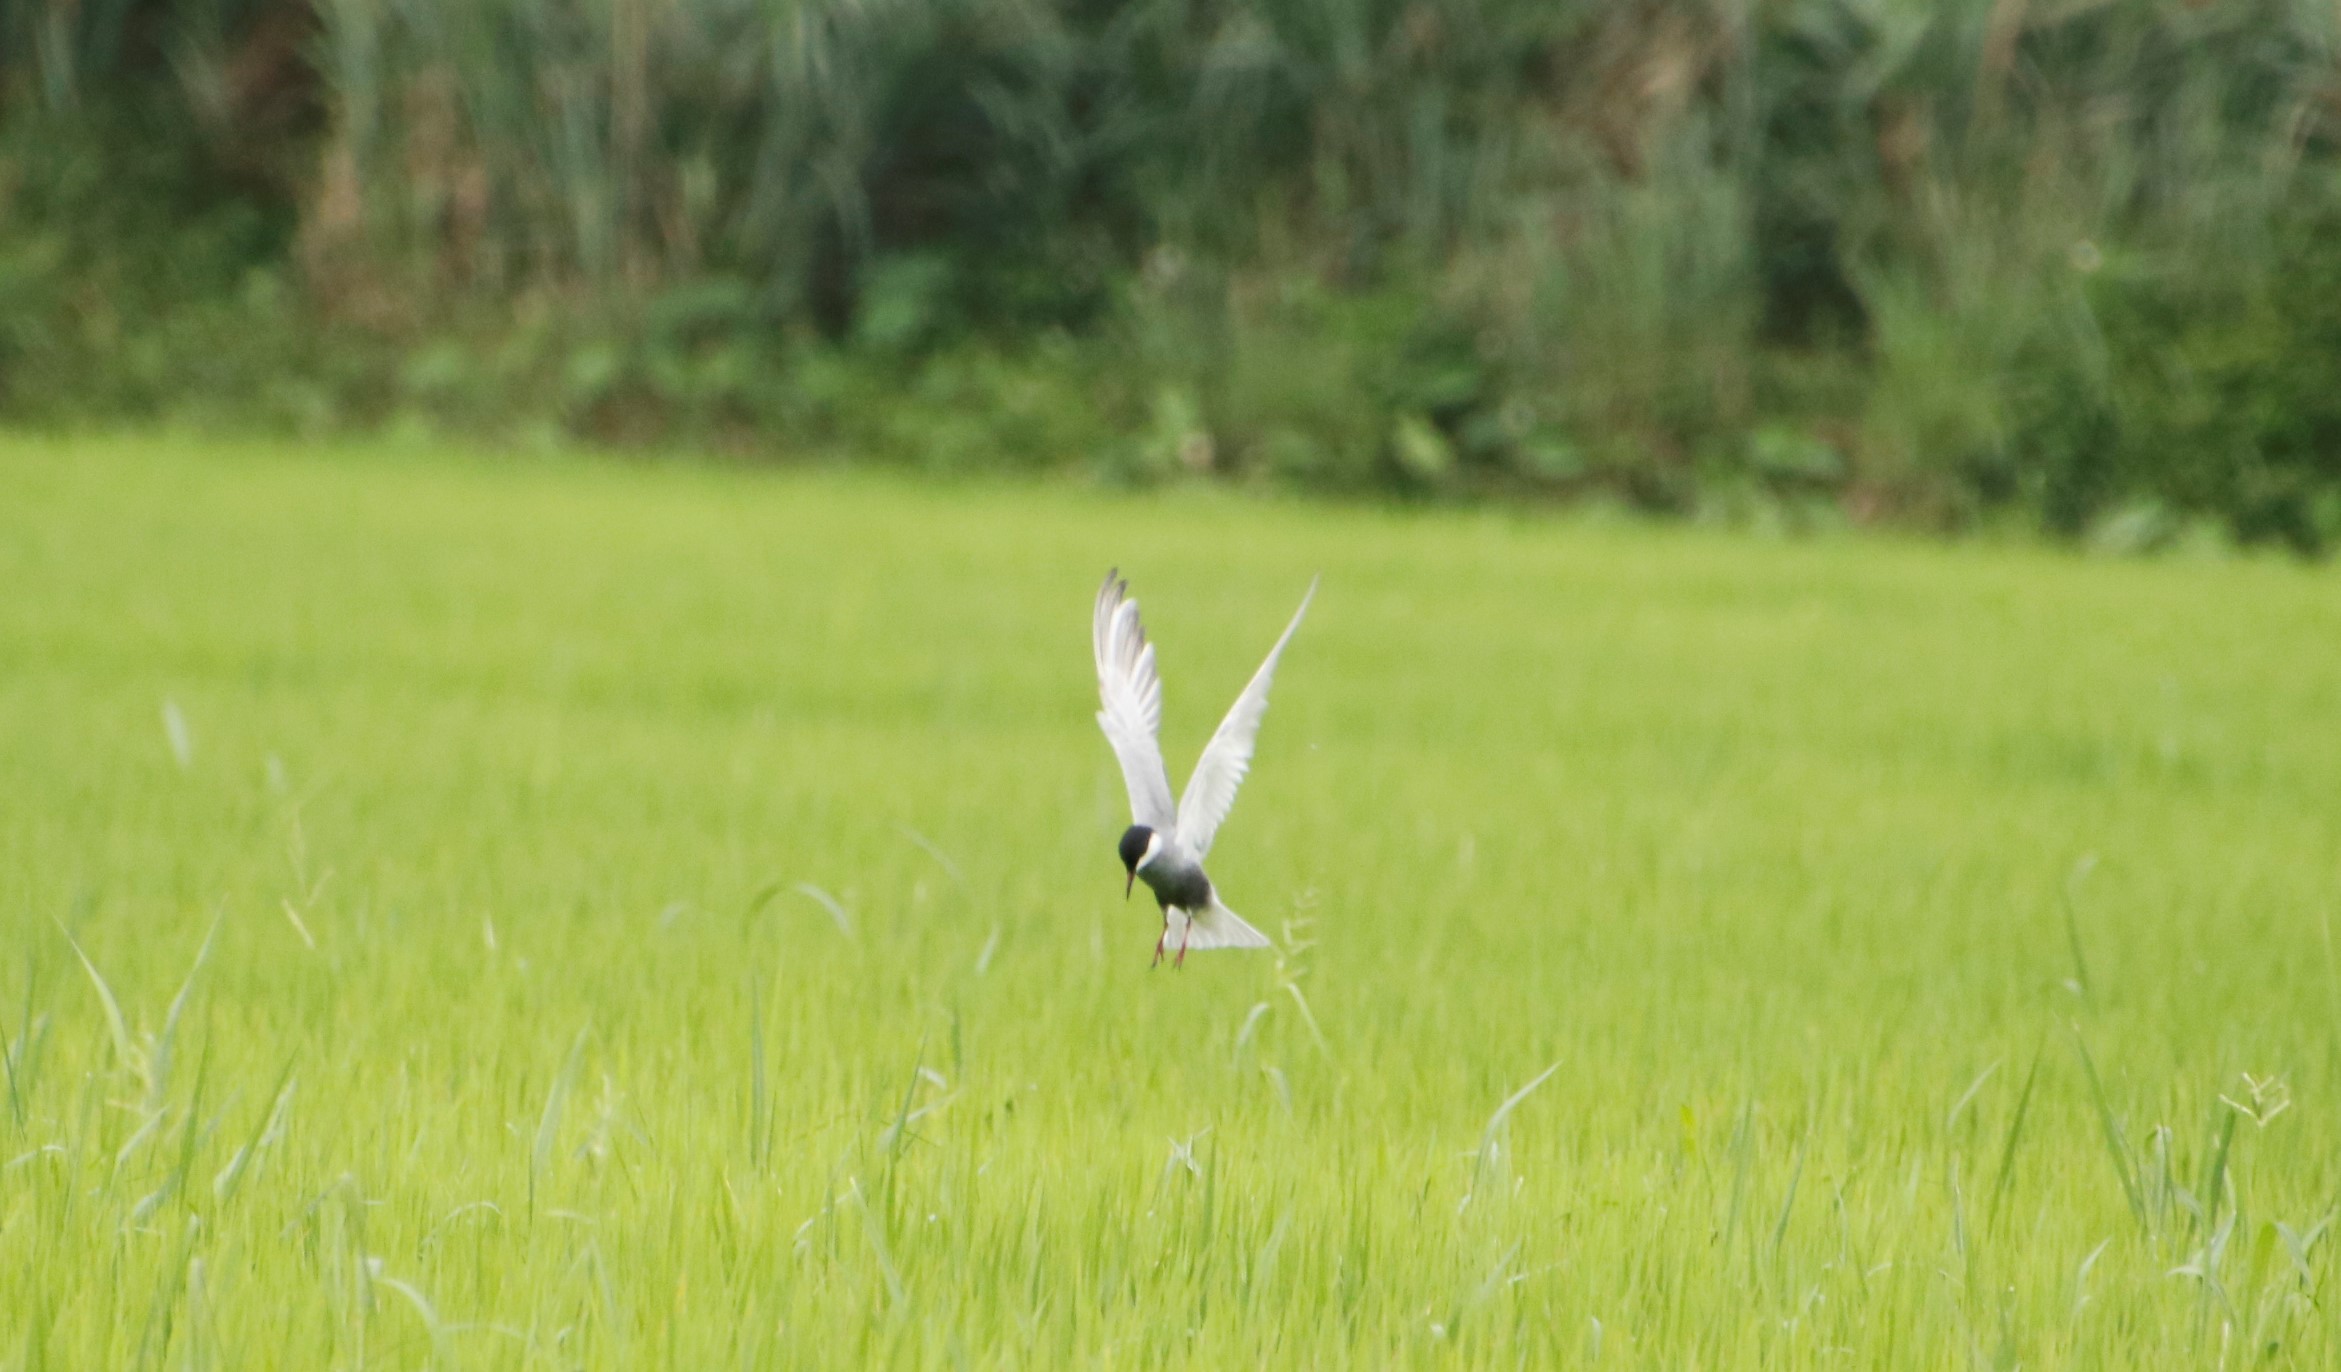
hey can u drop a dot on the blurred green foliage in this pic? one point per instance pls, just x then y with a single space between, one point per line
2077 264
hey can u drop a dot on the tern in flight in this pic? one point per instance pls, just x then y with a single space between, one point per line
1165 845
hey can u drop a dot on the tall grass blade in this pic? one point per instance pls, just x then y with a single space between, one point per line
1503 1112
191 1126
1487 1157
176 733
1742 1158
2214 1179
892 1139
2006 1176
158 1077
548 1128
837 911
265 1130
21 1054
1796 1174
2115 1147
125 1052
1967 1097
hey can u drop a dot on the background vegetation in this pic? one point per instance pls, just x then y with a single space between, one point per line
2075 263
459 914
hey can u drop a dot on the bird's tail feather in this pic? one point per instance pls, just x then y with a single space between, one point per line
1216 926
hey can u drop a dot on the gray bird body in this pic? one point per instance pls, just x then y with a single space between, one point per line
1177 879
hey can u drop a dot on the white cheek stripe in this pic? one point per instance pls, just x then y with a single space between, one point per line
1153 846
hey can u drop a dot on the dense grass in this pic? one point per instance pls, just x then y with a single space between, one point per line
518 1042
1945 263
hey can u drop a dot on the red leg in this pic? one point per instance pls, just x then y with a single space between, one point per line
1158 938
1180 962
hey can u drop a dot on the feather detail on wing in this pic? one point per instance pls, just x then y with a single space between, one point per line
1131 704
1211 791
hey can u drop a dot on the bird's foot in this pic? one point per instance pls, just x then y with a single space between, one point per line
1158 938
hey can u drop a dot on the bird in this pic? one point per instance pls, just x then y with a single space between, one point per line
1165 845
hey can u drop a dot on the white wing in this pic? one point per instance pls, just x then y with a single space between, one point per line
1131 695
1211 791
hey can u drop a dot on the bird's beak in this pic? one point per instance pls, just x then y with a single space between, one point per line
1129 883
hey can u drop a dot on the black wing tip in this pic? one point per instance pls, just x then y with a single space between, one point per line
1115 593
1112 597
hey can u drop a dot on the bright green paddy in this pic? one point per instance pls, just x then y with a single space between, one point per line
668 917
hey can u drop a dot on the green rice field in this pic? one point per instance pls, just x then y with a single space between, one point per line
469 912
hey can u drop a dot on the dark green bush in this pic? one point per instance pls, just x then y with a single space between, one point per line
1935 262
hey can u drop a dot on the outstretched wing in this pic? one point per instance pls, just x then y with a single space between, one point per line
1131 704
1211 792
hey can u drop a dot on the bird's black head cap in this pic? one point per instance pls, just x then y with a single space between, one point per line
1134 840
